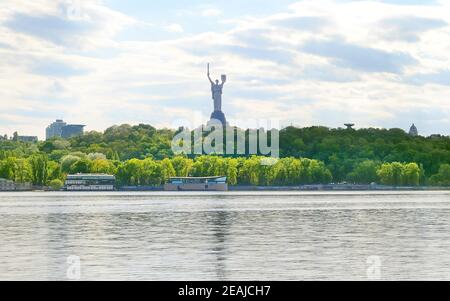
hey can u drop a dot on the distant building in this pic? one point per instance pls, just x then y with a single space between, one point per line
8 185
72 130
197 184
31 139
61 129
90 182
349 126
54 129
413 131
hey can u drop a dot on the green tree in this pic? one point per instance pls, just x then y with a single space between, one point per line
167 170
81 166
365 173
102 166
182 166
442 178
411 174
67 162
22 171
39 169
56 184
7 168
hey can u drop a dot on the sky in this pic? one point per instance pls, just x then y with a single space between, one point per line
314 62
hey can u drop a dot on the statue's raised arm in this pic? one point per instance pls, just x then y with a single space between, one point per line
209 77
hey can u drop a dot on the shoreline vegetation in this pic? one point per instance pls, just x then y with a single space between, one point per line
314 158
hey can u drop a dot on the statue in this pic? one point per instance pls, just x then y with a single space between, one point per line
216 90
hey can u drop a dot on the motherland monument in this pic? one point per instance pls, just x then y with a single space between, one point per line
217 90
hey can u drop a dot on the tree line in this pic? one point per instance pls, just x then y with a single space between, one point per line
142 155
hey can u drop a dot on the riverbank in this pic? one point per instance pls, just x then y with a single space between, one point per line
336 187
318 187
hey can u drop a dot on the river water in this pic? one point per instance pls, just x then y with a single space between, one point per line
225 236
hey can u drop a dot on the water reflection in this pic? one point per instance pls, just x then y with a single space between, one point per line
225 237
220 223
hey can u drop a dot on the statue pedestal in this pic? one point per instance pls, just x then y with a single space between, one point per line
220 116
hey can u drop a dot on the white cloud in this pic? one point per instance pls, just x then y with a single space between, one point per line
175 28
211 12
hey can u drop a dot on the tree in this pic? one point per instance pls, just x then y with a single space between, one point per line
102 166
67 162
182 166
411 174
319 173
248 173
96 156
54 170
22 171
391 173
7 168
365 173
128 173
232 171
81 166
39 169
167 170
442 178
56 184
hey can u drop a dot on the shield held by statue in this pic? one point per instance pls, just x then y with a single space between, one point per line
224 78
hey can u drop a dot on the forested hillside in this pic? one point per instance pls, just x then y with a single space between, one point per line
142 155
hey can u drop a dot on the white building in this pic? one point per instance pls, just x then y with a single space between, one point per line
90 182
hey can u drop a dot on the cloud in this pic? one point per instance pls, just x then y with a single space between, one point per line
48 67
307 23
329 73
51 28
5 46
277 56
211 12
359 58
440 78
410 2
408 28
315 62
72 24
177 28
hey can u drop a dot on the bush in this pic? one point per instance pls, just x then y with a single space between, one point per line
56 184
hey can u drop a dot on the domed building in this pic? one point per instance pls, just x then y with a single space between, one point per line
413 131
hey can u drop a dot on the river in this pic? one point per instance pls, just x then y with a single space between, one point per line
225 236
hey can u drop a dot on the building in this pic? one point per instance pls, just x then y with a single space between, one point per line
30 139
72 130
61 129
413 131
54 129
8 185
197 184
90 182
349 126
